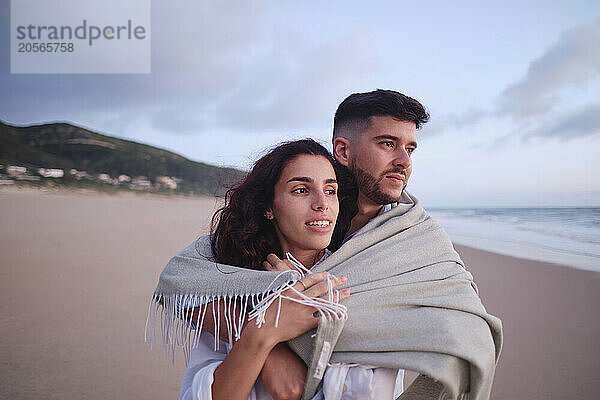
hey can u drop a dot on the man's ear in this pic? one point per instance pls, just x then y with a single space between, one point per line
341 150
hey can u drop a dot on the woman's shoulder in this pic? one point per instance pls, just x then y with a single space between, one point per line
199 247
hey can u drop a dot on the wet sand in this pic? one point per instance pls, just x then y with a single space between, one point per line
77 271
551 319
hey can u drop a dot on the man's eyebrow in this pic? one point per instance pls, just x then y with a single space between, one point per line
392 137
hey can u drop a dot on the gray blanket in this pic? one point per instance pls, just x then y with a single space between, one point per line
413 305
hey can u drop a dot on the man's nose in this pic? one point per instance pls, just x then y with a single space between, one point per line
402 159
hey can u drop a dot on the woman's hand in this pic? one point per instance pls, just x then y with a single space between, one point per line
294 318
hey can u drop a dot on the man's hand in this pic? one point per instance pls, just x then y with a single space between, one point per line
284 374
289 385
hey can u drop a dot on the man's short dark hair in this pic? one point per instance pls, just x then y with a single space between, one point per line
353 115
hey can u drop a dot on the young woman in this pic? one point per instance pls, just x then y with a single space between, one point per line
288 203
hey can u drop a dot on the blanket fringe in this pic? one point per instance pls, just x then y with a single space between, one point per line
181 326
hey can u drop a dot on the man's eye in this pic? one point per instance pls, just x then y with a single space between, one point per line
331 192
300 190
410 150
388 143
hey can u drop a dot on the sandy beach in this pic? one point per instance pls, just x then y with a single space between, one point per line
77 270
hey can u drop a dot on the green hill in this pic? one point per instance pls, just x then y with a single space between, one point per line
65 146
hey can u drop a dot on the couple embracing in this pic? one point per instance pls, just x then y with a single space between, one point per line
324 279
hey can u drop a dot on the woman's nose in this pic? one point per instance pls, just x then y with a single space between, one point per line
320 203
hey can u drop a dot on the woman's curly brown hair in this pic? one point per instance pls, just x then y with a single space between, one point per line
242 236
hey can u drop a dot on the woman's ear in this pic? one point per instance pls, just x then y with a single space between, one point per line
269 214
341 150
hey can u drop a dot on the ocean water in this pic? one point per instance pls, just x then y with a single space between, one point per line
568 235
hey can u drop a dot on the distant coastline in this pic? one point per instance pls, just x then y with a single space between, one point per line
33 181
26 187
63 154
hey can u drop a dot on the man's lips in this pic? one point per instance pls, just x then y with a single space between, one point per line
398 178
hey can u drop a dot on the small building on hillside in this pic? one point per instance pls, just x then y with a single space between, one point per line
124 178
167 182
140 183
20 173
79 174
104 178
15 170
51 172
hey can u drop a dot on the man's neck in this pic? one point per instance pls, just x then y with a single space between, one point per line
367 210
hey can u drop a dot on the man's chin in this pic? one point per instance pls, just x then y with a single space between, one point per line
392 194
385 197
379 191
394 197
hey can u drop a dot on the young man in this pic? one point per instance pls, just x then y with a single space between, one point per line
374 136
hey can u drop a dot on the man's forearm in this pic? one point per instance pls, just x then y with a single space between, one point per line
284 373
280 386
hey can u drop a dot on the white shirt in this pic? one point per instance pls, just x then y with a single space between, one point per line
340 382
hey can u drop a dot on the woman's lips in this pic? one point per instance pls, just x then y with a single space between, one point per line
319 225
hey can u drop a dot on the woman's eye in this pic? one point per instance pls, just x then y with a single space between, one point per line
300 190
331 192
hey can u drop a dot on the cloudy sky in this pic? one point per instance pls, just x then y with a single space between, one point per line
513 88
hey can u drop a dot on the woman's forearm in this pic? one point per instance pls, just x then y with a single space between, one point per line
237 374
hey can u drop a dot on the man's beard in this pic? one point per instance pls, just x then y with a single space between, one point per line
369 186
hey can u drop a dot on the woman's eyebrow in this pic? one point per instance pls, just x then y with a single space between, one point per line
309 180
300 179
